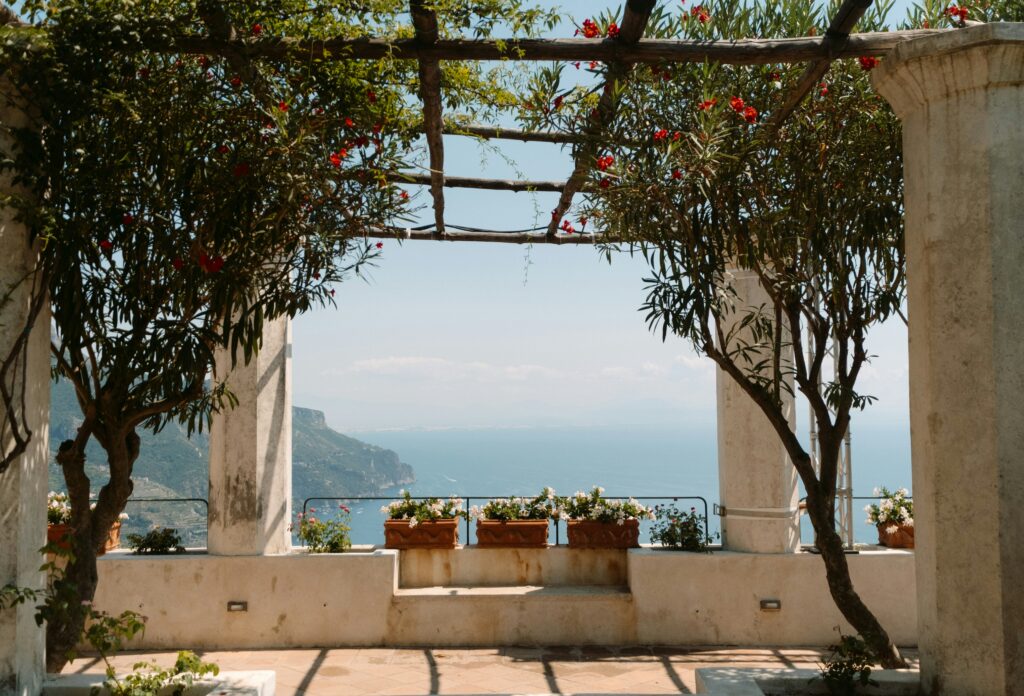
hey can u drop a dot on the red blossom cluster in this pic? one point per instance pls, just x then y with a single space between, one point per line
590 29
701 13
867 63
605 183
660 134
750 114
604 162
106 246
127 218
957 14
613 31
380 245
282 106
567 227
677 174
211 264
707 104
256 30
736 104
336 158
823 89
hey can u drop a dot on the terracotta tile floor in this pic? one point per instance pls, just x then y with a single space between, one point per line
422 671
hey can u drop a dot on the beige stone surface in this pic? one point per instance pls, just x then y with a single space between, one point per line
756 480
555 565
411 672
961 99
251 451
23 486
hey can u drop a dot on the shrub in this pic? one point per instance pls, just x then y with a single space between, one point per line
683 531
324 535
540 508
423 510
847 666
893 507
156 541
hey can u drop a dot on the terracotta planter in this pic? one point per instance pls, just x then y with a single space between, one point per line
59 535
902 537
531 534
587 534
435 534
113 539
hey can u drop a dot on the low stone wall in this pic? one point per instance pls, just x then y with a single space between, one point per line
363 598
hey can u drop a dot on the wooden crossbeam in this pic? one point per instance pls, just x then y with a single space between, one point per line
497 133
424 21
219 24
835 40
514 185
488 236
634 21
737 52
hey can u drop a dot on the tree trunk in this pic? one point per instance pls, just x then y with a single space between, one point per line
840 586
76 590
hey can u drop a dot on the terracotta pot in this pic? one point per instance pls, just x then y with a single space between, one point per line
435 534
113 539
587 534
531 534
59 535
902 537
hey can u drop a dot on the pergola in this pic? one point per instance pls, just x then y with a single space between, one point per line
967 375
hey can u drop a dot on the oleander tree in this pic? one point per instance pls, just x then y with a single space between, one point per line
185 200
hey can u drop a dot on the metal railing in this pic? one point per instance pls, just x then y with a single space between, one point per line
468 499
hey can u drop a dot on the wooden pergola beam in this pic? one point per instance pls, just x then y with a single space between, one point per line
488 236
835 40
497 133
424 21
514 185
738 52
634 21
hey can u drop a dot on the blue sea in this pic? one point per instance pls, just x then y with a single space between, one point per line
637 461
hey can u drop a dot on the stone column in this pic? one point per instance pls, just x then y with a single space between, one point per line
23 485
251 452
757 482
960 96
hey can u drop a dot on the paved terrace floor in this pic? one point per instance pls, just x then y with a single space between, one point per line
422 671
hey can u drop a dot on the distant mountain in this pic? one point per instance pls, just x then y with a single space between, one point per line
171 465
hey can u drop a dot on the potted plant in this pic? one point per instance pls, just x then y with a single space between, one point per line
114 537
321 535
678 530
429 523
157 541
893 515
594 522
514 522
58 520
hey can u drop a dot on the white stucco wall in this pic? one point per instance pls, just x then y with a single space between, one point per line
302 600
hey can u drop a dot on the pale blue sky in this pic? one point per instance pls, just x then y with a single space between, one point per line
483 335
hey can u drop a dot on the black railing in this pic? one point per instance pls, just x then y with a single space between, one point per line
467 501
192 533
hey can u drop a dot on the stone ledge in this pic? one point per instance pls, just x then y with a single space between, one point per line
257 683
553 592
783 682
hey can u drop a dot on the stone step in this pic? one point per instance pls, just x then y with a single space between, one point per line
513 615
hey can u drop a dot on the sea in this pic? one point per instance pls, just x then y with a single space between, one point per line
659 464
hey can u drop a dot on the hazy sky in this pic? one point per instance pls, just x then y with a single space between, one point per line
482 335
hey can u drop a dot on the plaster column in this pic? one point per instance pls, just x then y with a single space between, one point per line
251 452
23 485
960 96
757 482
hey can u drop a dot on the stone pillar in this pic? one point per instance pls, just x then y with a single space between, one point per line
757 482
251 452
23 485
960 96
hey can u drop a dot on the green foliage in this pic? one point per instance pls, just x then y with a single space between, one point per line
324 535
676 529
423 510
150 679
848 666
162 540
594 506
541 507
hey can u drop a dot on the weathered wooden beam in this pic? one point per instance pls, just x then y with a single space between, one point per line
219 24
424 20
738 52
496 133
514 185
634 21
488 236
836 38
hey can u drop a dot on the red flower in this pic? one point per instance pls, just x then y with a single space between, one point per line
241 169
567 227
236 81
677 174
705 105
143 73
371 97
613 31
824 89
554 213
211 264
178 263
774 77
380 245
737 104
593 65
558 102
577 65
337 157
590 29
583 222
377 127
223 149
604 162
956 13
660 134
349 122
867 63
750 114
257 29
362 141
605 183
282 105
106 246
404 195
128 218
676 136
700 13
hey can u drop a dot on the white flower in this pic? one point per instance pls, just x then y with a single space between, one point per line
909 521
123 516
877 491
413 522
